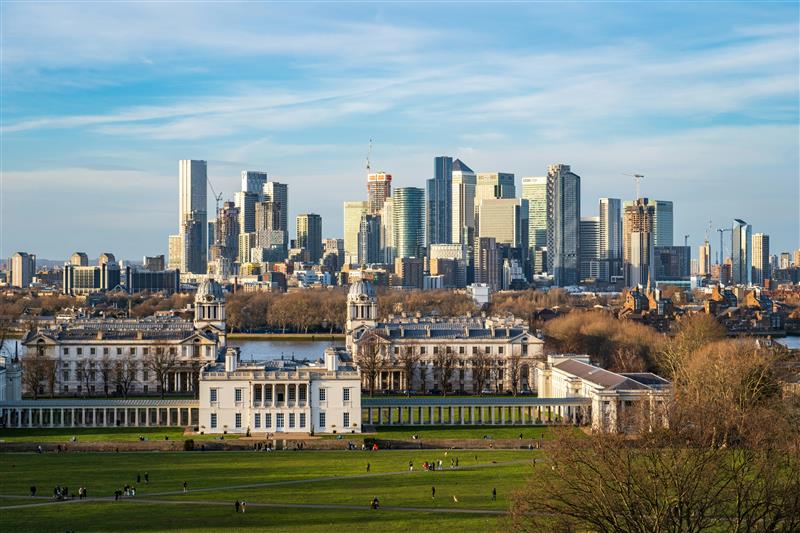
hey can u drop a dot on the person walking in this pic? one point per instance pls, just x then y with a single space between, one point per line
433 493
138 477
494 494
367 467
146 478
411 466
185 487
244 506
237 505
33 490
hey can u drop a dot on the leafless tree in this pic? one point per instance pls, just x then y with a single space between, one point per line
370 359
161 360
481 366
34 372
445 362
125 374
409 361
85 370
514 367
106 372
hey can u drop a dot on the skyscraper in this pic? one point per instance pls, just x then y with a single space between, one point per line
23 268
279 193
409 222
761 267
662 220
193 208
369 239
704 256
507 221
610 238
227 231
638 242
253 181
463 199
439 201
175 252
590 248
741 253
309 235
563 224
387 231
352 223
487 263
534 189
494 185
379 188
79 259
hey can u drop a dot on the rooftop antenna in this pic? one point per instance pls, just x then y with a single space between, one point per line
369 155
638 179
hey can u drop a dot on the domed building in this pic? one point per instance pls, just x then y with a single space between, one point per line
433 353
209 308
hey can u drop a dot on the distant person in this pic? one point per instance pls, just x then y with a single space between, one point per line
411 466
185 486
146 478
237 505
494 494
33 490
375 503
433 493
138 478
367 467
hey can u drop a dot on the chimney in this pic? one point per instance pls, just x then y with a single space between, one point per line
331 360
231 359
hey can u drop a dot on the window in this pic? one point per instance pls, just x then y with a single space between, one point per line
303 391
66 388
65 375
474 350
105 351
256 393
322 395
66 351
292 393
213 395
238 420
213 420
291 420
267 420
66 364
79 351
268 393
145 375
435 350
302 420
346 420
422 350
279 421
462 350
145 388
322 420
500 350
257 423
119 351
92 351
488 349
237 395
346 394
173 351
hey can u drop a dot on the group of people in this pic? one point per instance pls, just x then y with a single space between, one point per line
59 492
127 490
241 506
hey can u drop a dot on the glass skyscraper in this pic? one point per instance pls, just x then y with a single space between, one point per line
440 201
409 222
563 224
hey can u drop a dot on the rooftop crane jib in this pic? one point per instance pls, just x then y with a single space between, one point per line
217 197
638 179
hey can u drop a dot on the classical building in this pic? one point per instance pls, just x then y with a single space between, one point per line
614 396
281 396
105 356
10 379
502 349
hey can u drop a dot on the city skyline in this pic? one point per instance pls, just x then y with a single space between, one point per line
702 114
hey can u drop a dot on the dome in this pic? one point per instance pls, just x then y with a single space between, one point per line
209 291
360 288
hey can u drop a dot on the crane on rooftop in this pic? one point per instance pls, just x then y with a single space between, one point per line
638 180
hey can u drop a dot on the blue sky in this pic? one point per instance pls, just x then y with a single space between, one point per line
100 101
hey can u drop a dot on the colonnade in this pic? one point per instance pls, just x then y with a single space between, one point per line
61 416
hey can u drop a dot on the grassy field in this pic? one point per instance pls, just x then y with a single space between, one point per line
277 486
64 435
466 432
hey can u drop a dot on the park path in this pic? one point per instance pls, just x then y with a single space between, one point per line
146 497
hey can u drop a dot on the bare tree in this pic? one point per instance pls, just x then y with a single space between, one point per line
445 362
50 371
370 359
514 366
106 372
33 373
125 374
85 369
161 360
409 361
481 366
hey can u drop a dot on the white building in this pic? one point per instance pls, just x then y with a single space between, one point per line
613 395
10 379
281 396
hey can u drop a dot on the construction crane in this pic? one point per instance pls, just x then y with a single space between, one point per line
217 197
369 155
638 179
722 243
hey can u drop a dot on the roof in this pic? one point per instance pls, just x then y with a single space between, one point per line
211 288
446 330
599 376
97 403
151 328
361 287
476 401
460 166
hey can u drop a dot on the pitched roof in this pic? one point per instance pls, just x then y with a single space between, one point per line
460 166
599 376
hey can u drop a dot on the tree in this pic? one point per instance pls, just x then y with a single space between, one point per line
692 332
409 361
370 359
514 367
481 366
106 372
161 360
34 372
125 374
85 368
445 362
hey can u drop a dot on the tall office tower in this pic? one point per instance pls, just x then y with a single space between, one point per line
379 188
742 253
335 246
506 220
408 208
175 252
440 202
23 267
704 264
279 193
154 263
387 231
227 231
410 271
785 260
352 223
494 185
193 204
369 239
773 264
534 189
246 203
590 248
638 242
194 256
563 224
79 259
463 199
309 235
268 216
610 238
247 242
761 269
797 258
444 256
487 262
106 258
662 220
672 263
253 181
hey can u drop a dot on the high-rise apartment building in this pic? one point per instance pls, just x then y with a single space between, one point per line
534 189
797 258
410 271
487 263
279 193
23 268
352 222
761 267
742 253
246 203
153 263
590 248
662 220
227 231
408 207
445 258
610 238
563 224
379 188
79 259
193 213
268 216
463 199
175 252
439 202
704 262
638 242
369 239
785 260
387 231
309 235
253 181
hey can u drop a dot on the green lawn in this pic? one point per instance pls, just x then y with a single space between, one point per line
466 432
216 480
65 435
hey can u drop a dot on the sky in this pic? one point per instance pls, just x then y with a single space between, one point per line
100 101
